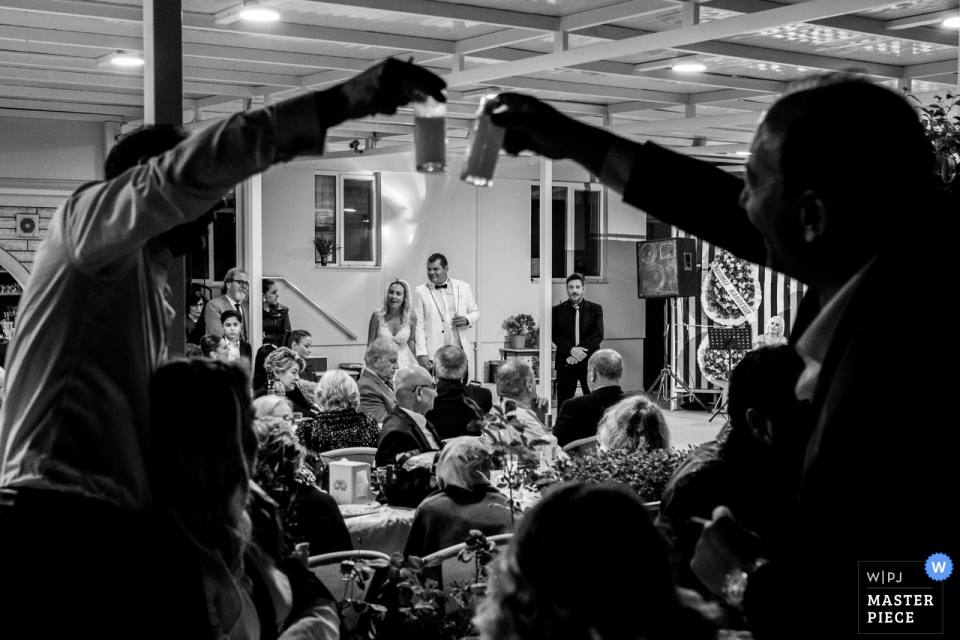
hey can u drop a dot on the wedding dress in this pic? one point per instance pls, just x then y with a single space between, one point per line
406 357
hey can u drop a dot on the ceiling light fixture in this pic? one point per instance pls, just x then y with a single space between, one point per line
250 10
741 153
120 59
689 67
953 23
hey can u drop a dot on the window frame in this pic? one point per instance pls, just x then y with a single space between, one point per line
570 226
338 261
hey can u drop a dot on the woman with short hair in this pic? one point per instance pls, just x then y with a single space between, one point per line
271 406
283 367
193 321
633 423
276 317
339 424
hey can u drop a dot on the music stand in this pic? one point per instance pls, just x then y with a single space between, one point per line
728 339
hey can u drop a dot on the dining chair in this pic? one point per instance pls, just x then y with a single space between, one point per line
327 568
452 569
581 446
353 454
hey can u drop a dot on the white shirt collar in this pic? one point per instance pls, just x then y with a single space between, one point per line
232 301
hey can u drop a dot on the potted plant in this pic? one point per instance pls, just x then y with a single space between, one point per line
645 471
518 328
943 132
325 247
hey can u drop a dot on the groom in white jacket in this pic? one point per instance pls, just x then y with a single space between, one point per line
446 313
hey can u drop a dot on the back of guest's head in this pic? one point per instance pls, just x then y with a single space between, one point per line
271 406
764 380
209 344
279 453
145 142
379 349
336 390
204 448
633 423
296 336
606 363
438 257
228 315
192 351
464 464
513 377
259 370
550 582
282 359
450 362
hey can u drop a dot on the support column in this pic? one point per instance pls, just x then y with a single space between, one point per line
546 277
163 104
250 244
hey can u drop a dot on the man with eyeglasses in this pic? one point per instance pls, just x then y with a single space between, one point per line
236 285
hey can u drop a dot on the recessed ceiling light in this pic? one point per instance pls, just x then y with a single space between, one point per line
953 22
256 12
689 67
120 59
741 153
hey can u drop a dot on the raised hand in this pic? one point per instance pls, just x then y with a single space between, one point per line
380 89
533 125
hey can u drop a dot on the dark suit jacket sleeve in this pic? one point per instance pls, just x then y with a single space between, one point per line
486 402
566 424
660 185
211 318
394 440
591 341
319 522
371 402
560 329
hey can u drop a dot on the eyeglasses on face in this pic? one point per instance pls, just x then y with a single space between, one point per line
243 283
428 386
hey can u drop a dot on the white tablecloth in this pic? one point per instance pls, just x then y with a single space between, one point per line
384 530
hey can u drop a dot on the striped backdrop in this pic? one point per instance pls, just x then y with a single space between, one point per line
781 297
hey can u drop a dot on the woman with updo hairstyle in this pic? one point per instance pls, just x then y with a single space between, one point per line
634 423
271 406
587 563
339 424
283 368
215 348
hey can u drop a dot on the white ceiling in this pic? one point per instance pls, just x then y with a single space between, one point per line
607 61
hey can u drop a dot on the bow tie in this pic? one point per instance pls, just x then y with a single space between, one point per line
576 307
440 286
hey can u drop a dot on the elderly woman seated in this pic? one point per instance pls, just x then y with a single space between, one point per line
565 574
283 368
464 500
307 514
633 423
338 425
273 407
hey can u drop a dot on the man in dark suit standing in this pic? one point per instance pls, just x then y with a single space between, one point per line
450 414
579 417
577 332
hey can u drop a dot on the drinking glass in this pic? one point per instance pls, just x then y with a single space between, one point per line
486 139
430 135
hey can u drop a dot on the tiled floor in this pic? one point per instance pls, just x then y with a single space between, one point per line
691 427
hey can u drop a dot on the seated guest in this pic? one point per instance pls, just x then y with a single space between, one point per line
307 514
232 327
579 417
283 368
192 351
535 595
339 425
204 464
517 389
450 414
746 466
259 372
300 341
194 320
271 406
633 423
464 500
215 348
377 396
408 441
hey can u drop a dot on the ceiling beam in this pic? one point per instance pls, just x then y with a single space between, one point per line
118 111
716 80
467 13
930 69
597 90
115 81
72 95
921 20
718 29
496 39
614 13
685 124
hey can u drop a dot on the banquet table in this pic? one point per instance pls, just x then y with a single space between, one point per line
385 529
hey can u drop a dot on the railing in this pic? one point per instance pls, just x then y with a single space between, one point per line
323 312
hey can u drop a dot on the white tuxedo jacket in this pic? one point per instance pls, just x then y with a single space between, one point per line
432 311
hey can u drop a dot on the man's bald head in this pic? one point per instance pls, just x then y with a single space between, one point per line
415 389
604 368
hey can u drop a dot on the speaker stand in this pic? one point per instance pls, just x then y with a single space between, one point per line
666 373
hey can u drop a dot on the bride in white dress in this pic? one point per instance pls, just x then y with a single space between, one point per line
396 321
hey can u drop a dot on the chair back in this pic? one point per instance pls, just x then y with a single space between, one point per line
452 570
353 454
327 568
581 446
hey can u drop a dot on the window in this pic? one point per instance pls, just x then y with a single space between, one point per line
220 254
577 230
346 212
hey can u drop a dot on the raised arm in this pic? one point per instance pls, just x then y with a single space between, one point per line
373 328
420 335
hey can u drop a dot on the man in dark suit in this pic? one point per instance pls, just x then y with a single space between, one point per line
236 285
577 332
450 414
377 395
819 202
579 417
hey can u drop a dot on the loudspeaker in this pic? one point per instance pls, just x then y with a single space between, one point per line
667 268
28 225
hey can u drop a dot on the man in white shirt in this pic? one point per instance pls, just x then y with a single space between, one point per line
446 313
236 285
75 432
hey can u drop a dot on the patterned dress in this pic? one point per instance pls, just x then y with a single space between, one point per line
338 429
402 337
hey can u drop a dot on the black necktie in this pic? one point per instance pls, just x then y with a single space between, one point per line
440 286
240 312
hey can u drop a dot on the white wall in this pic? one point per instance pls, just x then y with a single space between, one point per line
51 149
422 214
